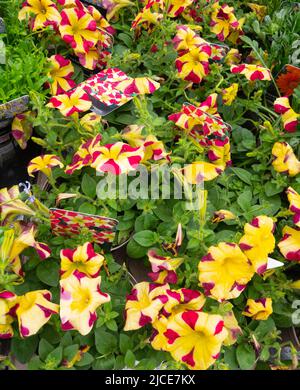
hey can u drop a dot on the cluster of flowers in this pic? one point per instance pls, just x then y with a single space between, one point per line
180 327
80 268
83 28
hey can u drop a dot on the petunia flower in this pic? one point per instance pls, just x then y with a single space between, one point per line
258 241
176 7
229 94
233 57
84 155
90 121
224 23
219 152
61 72
44 163
21 128
154 149
157 339
182 300
133 135
224 271
186 39
284 159
289 245
8 302
143 304
83 261
194 65
78 29
232 327
146 18
200 171
117 158
259 10
11 204
139 85
258 309
252 72
195 339
41 13
71 102
163 267
223 215
114 6
294 199
34 311
289 117
79 299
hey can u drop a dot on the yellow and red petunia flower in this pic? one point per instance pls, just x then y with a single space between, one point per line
11 204
224 271
21 128
61 72
34 311
79 299
117 158
44 163
163 267
285 160
81 261
258 241
182 300
154 149
176 7
289 245
259 10
233 57
158 340
113 7
90 121
224 23
143 304
219 152
84 155
195 338
200 171
41 14
186 39
223 215
71 102
78 29
229 94
289 117
258 309
232 327
133 135
8 302
294 199
252 72
194 65
146 18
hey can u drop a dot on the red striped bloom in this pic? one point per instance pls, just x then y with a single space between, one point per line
289 245
61 72
143 304
288 116
8 302
294 199
21 128
79 299
194 65
195 339
224 23
117 158
163 267
284 159
258 309
252 72
224 271
41 14
71 102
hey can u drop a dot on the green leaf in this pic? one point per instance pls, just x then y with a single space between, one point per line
87 208
86 359
48 272
130 359
105 342
145 238
112 325
70 351
264 327
242 174
134 250
88 186
126 39
55 356
23 349
244 200
245 355
44 349
35 363
125 343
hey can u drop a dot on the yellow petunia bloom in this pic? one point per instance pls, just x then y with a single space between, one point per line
224 271
258 242
8 302
285 160
232 327
229 94
11 204
44 13
259 309
195 338
290 244
44 164
294 199
223 215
